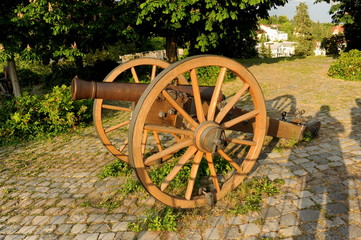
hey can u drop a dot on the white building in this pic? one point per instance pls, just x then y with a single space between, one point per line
279 49
319 51
273 34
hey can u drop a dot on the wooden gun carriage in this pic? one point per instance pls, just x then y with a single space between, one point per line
189 122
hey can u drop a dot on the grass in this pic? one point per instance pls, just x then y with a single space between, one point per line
248 197
305 80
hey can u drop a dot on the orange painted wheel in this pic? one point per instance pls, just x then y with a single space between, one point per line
112 118
213 157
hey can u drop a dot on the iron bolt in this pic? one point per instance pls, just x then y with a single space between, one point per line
171 111
162 114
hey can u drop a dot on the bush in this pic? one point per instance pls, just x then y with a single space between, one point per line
28 77
32 117
347 67
63 74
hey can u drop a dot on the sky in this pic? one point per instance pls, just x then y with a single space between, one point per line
317 12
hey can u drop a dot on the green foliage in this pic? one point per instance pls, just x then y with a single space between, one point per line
207 26
304 47
116 169
131 185
334 44
348 66
251 193
348 13
265 51
208 75
62 74
67 29
32 116
303 31
159 172
164 220
221 166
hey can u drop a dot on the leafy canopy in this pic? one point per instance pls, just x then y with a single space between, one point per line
203 23
51 28
348 12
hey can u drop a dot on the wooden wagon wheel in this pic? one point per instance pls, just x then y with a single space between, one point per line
148 69
212 158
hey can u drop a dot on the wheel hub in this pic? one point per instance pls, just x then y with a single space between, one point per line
209 137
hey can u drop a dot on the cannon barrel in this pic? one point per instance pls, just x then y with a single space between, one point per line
129 92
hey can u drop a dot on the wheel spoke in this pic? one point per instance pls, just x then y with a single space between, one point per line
239 119
117 126
230 160
240 141
182 80
157 140
112 107
180 110
231 103
197 96
213 171
121 148
172 149
144 140
182 161
135 75
154 72
192 178
171 130
215 96
176 137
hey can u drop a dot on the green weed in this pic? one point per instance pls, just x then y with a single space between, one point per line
115 169
131 186
249 195
164 220
108 203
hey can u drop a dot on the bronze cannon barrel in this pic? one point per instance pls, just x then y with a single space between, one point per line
129 92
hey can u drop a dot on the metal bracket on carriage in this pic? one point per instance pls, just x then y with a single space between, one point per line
209 196
307 124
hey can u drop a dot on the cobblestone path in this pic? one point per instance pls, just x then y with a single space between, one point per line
46 186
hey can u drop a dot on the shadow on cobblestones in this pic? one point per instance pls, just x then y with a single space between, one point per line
356 121
323 204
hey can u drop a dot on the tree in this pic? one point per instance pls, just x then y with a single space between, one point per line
10 41
303 31
334 44
50 29
349 13
70 28
207 26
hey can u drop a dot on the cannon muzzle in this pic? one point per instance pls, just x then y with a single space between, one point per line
128 92
131 92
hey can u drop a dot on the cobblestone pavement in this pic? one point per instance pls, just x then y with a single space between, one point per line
45 187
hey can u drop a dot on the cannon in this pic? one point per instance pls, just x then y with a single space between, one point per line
188 123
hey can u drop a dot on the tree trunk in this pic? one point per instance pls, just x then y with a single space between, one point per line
171 48
14 78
